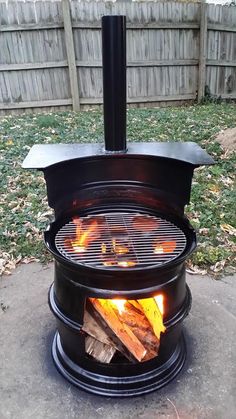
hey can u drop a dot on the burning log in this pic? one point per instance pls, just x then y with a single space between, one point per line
136 320
132 327
97 343
94 329
129 325
106 309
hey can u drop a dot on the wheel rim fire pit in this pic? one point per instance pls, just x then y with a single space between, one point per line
120 240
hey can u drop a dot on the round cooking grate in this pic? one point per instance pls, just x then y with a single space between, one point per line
120 240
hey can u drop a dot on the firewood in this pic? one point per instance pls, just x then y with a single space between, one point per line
114 340
98 350
98 329
122 331
136 320
136 305
92 327
153 314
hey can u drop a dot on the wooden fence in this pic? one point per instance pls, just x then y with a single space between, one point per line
50 52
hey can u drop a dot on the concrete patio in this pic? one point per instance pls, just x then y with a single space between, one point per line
30 386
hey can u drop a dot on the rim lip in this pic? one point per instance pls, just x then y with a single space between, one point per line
135 268
181 222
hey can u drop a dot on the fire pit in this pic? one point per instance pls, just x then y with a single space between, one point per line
120 240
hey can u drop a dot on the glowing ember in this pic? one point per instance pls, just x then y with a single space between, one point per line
165 247
78 248
104 248
83 238
120 305
160 302
109 263
158 249
119 249
126 263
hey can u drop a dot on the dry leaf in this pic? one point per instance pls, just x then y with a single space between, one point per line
29 259
194 270
228 229
218 266
215 189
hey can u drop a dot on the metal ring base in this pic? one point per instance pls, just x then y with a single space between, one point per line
131 385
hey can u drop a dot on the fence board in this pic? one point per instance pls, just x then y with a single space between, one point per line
70 50
163 53
202 51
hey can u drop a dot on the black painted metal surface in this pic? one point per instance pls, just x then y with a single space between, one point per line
42 156
81 174
121 380
84 181
114 82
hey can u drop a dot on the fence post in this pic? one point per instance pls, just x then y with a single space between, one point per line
202 51
71 55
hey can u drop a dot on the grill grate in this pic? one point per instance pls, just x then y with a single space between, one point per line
120 240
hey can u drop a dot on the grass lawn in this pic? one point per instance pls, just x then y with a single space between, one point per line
23 204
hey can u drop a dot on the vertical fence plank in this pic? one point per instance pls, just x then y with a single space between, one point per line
202 51
71 55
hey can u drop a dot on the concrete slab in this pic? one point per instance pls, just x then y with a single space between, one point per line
30 386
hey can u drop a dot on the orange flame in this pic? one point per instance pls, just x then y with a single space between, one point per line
126 263
165 247
120 305
109 263
83 238
160 302
119 248
104 248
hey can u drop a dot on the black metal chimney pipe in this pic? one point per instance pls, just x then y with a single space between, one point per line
114 82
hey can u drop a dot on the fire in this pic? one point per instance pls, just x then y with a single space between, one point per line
112 256
104 248
83 238
159 299
119 249
160 302
126 263
109 263
121 263
120 305
165 247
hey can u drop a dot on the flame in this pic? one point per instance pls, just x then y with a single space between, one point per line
160 302
109 263
104 248
120 305
83 238
158 249
126 263
165 247
119 248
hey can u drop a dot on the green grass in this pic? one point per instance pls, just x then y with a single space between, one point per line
23 205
